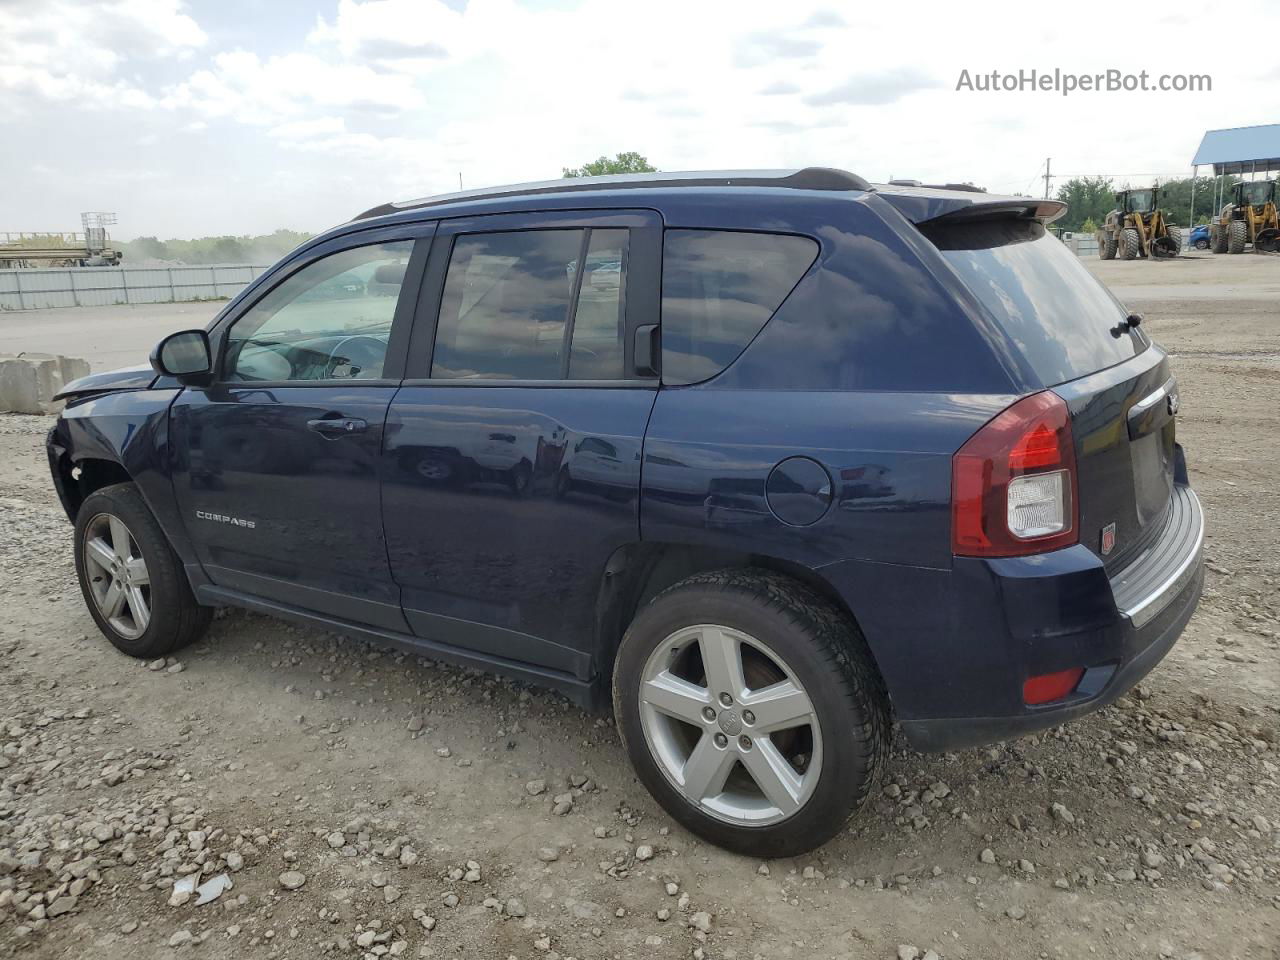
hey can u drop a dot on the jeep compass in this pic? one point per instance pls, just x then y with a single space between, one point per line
765 460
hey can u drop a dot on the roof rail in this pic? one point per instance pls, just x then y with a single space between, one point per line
966 187
808 178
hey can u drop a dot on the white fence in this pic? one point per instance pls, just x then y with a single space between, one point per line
35 288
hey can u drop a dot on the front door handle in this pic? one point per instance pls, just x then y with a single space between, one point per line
337 426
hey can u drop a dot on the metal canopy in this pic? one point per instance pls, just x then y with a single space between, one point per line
1241 150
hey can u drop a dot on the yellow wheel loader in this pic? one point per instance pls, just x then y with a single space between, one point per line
1250 218
1138 228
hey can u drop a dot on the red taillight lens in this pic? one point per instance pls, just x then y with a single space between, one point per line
1037 449
1051 686
1013 483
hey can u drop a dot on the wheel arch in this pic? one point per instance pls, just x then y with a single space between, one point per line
80 479
638 572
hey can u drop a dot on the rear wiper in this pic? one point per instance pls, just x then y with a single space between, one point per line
1127 325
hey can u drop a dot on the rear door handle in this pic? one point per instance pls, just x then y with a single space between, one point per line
337 426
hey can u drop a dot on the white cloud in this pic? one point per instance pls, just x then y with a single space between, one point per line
388 31
360 101
310 129
66 50
874 89
243 86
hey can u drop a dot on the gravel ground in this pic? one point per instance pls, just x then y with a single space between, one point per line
363 803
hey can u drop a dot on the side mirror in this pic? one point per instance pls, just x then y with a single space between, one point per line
185 355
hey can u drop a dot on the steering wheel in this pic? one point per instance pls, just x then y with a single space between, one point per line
362 353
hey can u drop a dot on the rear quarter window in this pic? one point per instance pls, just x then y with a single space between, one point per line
719 288
1061 318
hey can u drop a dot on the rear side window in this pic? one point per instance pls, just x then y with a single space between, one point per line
719 288
1058 315
534 305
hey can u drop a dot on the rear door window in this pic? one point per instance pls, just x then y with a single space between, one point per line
719 288
534 305
1061 318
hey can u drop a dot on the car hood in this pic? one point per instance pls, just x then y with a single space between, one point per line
129 378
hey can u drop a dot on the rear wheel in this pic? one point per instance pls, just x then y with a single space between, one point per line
1174 246
1237 236
751 710
520 478
131 579
1106 245
1202 244
1218 238
1130 244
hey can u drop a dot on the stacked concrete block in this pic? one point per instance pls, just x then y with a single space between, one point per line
29 381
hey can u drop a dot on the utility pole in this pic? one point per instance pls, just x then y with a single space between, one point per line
1047 175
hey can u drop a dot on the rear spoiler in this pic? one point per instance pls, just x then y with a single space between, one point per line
1046 211
930 205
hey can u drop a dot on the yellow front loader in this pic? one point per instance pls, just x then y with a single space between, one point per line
1138 228
1250 218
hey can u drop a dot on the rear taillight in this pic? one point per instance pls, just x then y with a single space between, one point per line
1013 483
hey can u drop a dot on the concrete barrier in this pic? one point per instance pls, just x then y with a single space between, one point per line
28 382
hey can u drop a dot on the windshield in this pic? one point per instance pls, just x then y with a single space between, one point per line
1257 193
1064 321
1140 201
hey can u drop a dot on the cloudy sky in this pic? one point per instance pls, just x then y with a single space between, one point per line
241 116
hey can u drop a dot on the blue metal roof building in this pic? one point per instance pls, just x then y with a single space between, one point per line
1236 150
1240 150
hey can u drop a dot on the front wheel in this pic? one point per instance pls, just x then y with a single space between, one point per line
751 710
1237 236
1130 244
131 579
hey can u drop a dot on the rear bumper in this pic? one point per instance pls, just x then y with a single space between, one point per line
955 666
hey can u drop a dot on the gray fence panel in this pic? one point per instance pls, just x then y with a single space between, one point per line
36 288
1085 246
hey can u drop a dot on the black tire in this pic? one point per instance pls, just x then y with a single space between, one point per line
1202 244
1237 236
1217 238
829 658
564 483
1130 244
1106 245
520 480
1175 240
175 618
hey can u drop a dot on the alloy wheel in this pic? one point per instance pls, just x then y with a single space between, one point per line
730 725
117 575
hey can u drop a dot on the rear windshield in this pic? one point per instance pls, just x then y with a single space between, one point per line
1063 320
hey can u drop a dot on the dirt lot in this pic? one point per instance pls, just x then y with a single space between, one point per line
414 801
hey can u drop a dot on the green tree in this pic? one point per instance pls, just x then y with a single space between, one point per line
202 250
1089 226
629 162
1175 197
145 248
1087 198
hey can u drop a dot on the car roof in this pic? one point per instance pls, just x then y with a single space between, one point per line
807 178
916 201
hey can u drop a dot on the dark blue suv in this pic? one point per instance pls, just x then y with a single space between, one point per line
769 460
